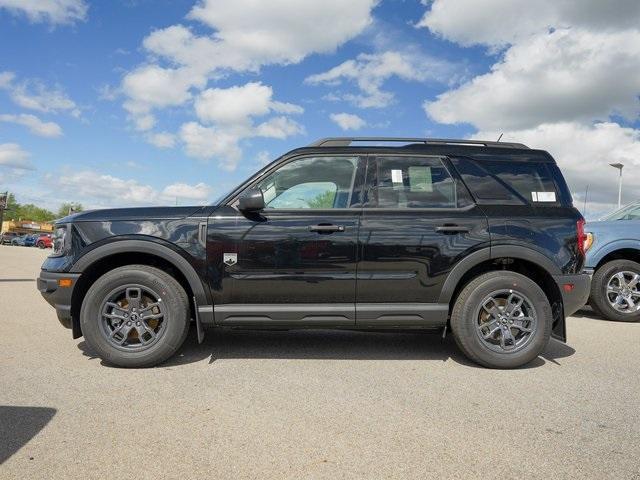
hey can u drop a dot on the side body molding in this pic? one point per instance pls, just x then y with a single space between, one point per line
149 247
500 251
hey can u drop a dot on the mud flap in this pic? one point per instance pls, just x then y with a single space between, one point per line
199 328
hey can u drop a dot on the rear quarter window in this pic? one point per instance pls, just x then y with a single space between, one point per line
499 181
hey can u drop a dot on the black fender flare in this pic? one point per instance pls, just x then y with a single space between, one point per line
151 247
488 253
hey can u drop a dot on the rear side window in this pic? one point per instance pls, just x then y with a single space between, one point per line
413 182
508 182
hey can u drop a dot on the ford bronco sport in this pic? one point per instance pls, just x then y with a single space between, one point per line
353 233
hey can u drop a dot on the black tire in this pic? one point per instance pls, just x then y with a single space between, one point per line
175 303
598 298
41 245
464 321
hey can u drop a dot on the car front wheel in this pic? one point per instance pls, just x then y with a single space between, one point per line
615 291
135 316
502 320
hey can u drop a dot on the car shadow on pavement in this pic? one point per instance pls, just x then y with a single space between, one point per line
18 425
590 314
221 344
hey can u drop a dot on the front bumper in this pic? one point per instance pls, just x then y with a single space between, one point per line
59 297
575 291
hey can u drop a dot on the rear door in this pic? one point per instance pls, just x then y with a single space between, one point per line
418 221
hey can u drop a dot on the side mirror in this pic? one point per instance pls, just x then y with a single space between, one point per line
251 200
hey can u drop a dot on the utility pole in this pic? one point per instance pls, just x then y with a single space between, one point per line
619 166
3 206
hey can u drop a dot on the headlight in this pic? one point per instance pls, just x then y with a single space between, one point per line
59 240
588 241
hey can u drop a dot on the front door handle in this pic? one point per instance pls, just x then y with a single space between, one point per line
452 229
326 228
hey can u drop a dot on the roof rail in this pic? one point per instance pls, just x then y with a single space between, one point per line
346 141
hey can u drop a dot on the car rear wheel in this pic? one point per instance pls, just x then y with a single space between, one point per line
615 291
41 244
135 316
502 320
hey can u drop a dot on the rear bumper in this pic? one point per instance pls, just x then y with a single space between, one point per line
574 298
58 297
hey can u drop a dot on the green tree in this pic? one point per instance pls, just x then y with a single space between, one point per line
323 200
66 207
28 211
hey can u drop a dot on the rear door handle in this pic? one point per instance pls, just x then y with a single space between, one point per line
326 228
452 229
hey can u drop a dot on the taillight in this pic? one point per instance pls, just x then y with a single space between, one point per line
581 237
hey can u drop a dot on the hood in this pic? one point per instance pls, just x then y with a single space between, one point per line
139 213
613 226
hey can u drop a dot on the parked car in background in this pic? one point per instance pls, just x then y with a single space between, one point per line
614 259
6 237
24 240
44 241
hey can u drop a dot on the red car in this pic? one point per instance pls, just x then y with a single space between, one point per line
44 241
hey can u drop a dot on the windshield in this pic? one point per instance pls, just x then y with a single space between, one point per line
630 212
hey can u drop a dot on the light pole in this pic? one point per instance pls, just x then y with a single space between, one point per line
619 167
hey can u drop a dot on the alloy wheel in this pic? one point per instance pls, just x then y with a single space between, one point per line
505 321
133 317
622 292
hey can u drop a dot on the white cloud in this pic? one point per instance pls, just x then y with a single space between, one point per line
13 156
229 115
263 157
497 23
583 153
566 75
162 139
49 11
99 190
281 32
34 124
348 121
151 86
233 105
370 71
208 142
279 127
199 191
35 95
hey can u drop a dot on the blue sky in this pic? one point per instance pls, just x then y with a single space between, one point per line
134 102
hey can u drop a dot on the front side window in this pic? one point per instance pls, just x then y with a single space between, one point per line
311 183
413 182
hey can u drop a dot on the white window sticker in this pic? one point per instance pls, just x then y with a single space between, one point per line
396 176
543 196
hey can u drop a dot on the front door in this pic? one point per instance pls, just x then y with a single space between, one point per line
294 263
418 221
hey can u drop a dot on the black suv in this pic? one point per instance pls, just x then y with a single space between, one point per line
350 233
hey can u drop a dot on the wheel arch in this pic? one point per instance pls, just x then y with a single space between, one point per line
129 252
522 260
620 251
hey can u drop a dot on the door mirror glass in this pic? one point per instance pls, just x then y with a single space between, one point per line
251 200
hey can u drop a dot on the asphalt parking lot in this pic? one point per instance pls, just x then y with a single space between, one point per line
310 404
